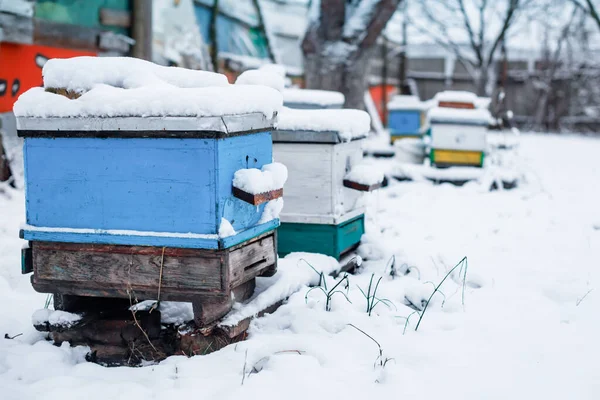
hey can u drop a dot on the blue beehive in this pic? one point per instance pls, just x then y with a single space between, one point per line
148 179
163 180
406 117
170 188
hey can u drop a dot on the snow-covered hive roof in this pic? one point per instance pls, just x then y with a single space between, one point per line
80 74
126 87
320 98
443 115
405 102
460 96
320 125
457 96
262 76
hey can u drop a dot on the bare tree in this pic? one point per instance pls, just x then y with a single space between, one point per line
339 42
563 91
553 65
214 49
589 8
472 30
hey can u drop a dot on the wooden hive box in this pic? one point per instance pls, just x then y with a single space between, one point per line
407 118
322 211
458 136
142 181
142 203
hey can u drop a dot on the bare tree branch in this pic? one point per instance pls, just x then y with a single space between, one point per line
482 24
593 12
448 45
327 27
513 6
476 46
378 19
338 44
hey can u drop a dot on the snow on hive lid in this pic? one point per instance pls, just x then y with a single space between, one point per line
483 102
277 69
161 101
80 74
443 115
346 124
405 102
455 99
321 98
128 87
261 77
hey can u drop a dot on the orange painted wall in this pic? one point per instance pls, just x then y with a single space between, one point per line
21 68
376 94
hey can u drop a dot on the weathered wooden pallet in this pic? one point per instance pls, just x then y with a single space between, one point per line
206 278
118 336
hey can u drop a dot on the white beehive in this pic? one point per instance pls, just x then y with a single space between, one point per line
320 148
458 129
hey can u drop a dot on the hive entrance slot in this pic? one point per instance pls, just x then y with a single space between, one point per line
255 264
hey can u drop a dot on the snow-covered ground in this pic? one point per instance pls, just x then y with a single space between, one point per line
528 329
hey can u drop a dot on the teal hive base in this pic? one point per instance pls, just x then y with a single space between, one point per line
331 240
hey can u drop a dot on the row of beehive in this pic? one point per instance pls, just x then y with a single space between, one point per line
141 177
453 124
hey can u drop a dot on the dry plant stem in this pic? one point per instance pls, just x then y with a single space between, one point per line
581 299
244 369
382 362
367 335
129 290
162 263
321 275
464 260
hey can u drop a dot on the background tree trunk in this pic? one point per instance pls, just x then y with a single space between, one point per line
349 76
336 58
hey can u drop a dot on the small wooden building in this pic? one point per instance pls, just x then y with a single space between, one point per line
140 191
407 117
323 213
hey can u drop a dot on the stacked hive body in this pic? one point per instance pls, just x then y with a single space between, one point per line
406 118
322 150
130 190
458 130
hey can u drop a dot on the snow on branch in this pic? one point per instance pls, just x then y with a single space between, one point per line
358 18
